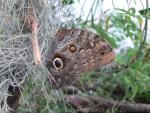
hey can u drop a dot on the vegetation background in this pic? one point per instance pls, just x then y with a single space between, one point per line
127 78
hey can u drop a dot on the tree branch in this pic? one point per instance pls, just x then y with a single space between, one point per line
94 104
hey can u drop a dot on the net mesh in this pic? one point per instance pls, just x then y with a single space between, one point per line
16 55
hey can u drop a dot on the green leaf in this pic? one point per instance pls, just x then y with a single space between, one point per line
140 20
67 2
126 12
120 59
101 32
127 80
144 12
107 23
130 53
132 11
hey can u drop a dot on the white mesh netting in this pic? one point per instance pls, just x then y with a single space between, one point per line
16 55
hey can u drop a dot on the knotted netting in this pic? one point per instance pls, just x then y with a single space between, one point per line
16 52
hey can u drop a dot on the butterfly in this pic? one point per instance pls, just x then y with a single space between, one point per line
75 51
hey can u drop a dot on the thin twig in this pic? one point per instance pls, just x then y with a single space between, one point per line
35 45
90 10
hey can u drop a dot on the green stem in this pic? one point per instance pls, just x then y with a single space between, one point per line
144 35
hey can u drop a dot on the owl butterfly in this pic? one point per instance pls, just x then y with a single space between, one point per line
75 51
72 52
